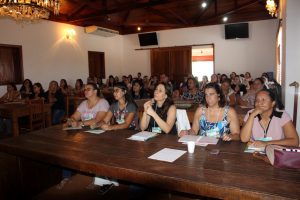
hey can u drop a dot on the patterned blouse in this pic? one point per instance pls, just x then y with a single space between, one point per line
214 129
197 98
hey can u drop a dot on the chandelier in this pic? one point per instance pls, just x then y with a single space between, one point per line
29 9
271 7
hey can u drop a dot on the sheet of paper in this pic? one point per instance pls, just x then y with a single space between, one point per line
167 155
205 140
187 138
96 131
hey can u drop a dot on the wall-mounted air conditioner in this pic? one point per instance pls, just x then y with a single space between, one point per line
105 32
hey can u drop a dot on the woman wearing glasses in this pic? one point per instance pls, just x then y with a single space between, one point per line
90 111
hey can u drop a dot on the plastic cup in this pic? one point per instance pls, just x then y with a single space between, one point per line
241 93
191 146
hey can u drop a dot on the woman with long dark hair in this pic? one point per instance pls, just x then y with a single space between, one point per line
160 113
215 119
26 89
123 110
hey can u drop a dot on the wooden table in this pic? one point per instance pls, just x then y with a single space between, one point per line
16 110
230 175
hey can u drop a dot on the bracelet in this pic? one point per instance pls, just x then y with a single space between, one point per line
82 123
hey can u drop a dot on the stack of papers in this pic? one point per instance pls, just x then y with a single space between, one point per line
142 136
199 140
167 155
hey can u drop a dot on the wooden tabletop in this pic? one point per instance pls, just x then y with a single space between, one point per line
230 175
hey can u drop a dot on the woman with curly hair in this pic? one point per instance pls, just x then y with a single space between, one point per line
215 119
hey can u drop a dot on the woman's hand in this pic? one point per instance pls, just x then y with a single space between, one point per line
106 127
258 143
226 137
256 112
183 133
148 108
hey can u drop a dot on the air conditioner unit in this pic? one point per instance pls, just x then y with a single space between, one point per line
105 32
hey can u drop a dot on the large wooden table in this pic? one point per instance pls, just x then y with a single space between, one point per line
16 110
230 175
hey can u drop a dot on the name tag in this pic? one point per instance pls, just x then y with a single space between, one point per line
156 130
120 121
213 133
266 139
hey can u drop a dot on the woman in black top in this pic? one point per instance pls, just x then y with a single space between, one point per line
55 97
160 113
26 90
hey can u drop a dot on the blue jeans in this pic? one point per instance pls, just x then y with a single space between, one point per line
57 116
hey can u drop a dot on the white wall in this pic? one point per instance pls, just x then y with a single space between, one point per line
256 54
48 55
291 55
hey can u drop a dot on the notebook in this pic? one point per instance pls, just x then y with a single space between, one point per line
142 136
199 140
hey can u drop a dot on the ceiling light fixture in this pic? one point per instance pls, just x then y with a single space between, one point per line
29 9
204 4
139 28
271 7
225 19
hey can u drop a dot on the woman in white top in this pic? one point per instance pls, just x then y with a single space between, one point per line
90 111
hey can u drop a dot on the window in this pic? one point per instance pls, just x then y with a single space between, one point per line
203 61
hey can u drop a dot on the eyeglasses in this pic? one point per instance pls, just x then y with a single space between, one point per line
88 89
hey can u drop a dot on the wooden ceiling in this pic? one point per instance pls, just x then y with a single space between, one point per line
154 15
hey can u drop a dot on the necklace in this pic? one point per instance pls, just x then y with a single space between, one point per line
210 117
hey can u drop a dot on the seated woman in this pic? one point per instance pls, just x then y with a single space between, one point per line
193 93
55 97
160 113
64 87
215 119
90 111
228 92
267 123
138 91
38 91
249 98
79 88
26 89
12 94
238 87
123 111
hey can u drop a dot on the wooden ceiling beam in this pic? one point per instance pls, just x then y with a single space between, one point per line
176 15
128 6
161 14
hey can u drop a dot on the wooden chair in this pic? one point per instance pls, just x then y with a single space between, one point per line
37 115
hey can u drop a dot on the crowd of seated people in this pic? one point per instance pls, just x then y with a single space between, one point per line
217 99
215 116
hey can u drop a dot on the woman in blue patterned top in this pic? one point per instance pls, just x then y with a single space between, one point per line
215 119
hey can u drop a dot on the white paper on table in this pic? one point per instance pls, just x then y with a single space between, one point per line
188 138
167 154
97 131
206 140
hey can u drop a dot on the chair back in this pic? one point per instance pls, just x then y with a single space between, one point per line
37 114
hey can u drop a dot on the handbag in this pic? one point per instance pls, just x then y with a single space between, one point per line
283 156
